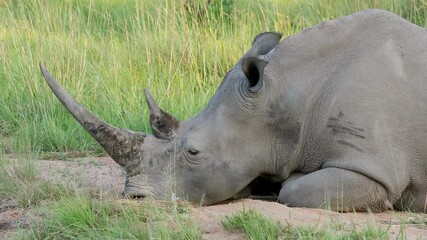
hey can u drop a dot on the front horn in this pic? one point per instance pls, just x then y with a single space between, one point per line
124 146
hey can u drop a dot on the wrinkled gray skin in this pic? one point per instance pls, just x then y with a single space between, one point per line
337 113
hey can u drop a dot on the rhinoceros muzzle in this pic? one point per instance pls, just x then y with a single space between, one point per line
137 187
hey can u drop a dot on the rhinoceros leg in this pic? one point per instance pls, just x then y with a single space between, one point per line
335 189
414 198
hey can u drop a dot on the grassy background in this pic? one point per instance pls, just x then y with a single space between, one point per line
105 52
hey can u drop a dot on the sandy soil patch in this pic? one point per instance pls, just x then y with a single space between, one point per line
103 173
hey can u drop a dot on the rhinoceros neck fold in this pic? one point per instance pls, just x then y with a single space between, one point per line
121 144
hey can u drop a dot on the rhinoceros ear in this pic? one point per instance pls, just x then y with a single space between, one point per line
163 124
264 43
253 68
255 59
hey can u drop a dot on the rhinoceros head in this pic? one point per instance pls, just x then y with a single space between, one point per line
207 158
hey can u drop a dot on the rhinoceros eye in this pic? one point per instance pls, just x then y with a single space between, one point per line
193 152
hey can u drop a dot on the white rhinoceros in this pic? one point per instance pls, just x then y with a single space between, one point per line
336 113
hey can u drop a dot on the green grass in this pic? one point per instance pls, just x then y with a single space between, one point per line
253 224
22 182
105 52
87 218
56 209
256 226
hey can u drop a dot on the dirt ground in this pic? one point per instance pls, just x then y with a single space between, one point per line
105 174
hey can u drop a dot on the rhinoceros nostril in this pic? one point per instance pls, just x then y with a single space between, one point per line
138 196
137 187
134 195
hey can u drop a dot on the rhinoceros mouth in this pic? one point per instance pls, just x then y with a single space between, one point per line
138 187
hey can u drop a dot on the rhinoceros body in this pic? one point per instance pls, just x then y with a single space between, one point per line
336 113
